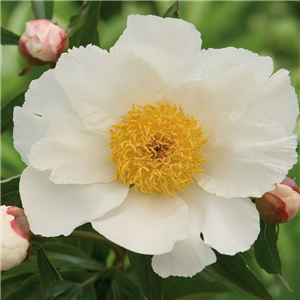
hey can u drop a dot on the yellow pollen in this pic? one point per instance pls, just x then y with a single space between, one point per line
157 149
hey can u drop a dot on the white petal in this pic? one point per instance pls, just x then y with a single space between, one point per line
47 98
245 159
28 129
225 97
145 223
74 154
217 62
187 258
276 102
228 225
172 46
103 86
55 209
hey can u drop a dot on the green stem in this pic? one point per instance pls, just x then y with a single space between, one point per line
89 280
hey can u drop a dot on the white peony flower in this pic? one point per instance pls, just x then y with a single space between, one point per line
189 135
14 237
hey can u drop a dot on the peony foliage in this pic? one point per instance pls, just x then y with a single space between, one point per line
143 162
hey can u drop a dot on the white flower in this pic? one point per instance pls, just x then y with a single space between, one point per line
193 133
14 237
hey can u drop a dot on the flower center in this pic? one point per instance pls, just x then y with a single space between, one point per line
157 149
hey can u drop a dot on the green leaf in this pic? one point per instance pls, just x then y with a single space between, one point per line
27 290
123 287
67 256
66 290
7 111
8 37
10 195
83 27
47 272
151 283
265 249
9 282
177 287
78 21
104 282
233 270
172 11
42 9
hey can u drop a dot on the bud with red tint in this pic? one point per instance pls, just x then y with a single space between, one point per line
42 42
15 243
281 204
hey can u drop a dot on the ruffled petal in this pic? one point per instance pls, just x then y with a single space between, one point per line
245 159
73 154
187 258
107 84
145 223
228 225
226 97
172 46
276 102
217 62
28 129
55 209
47 98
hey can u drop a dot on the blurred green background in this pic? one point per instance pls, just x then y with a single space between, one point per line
268 28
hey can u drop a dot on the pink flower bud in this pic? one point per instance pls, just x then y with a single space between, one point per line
42 42
14 238
281 204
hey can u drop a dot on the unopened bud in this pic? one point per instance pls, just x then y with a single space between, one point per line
14 238
281 204
42 42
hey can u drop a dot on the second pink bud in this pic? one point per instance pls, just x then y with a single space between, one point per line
281 204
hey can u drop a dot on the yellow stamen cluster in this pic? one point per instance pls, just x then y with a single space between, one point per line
157 149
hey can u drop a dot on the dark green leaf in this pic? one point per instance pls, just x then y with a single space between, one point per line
151 283
172 11
7 111
10 195
123 287
8 37
42 9
65 290
176 287
47 272
233 270
78 21
67 256
265 249
9 282
13 278
104 282
83 27
27 290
